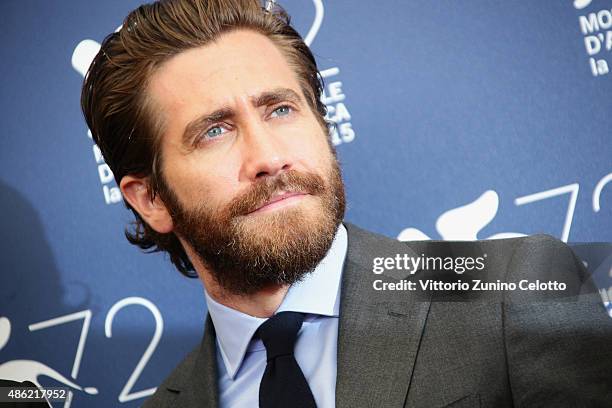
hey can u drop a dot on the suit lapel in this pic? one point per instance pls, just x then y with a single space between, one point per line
200 389
378 335
379 331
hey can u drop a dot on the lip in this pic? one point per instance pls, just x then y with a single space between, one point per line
280 200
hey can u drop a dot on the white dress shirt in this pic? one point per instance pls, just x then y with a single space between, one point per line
241 360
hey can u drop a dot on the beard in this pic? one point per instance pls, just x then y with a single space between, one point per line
247 253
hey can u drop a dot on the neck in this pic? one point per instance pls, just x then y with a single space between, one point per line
259 304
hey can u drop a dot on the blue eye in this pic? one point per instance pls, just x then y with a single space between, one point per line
281 111
215 131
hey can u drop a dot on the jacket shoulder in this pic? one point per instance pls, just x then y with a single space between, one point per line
168 391
546 258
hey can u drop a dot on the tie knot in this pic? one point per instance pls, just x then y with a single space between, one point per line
279 332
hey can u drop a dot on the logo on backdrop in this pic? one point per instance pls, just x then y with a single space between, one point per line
465 222
334 97
30 370
580 4
595 27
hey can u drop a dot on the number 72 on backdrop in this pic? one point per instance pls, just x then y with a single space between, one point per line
126 393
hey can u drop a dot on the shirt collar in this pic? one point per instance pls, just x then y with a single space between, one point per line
318 293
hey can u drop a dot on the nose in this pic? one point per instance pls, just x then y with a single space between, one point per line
263 153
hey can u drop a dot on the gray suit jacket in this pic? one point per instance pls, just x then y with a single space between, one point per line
420 349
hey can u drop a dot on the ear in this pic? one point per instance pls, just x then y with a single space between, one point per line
154 212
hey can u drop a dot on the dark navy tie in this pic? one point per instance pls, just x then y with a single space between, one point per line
283 383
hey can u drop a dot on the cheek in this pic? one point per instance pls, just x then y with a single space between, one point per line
197 179
310 149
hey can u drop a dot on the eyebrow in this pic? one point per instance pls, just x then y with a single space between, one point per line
265 98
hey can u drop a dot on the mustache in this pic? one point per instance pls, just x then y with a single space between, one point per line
263 190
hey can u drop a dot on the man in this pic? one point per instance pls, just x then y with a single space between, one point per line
209 115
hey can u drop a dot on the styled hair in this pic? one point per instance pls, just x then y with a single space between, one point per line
119 113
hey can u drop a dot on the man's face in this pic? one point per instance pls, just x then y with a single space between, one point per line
250 179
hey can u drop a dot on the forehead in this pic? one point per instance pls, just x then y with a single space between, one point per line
236 66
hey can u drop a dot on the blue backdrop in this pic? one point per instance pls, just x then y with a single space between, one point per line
456 120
